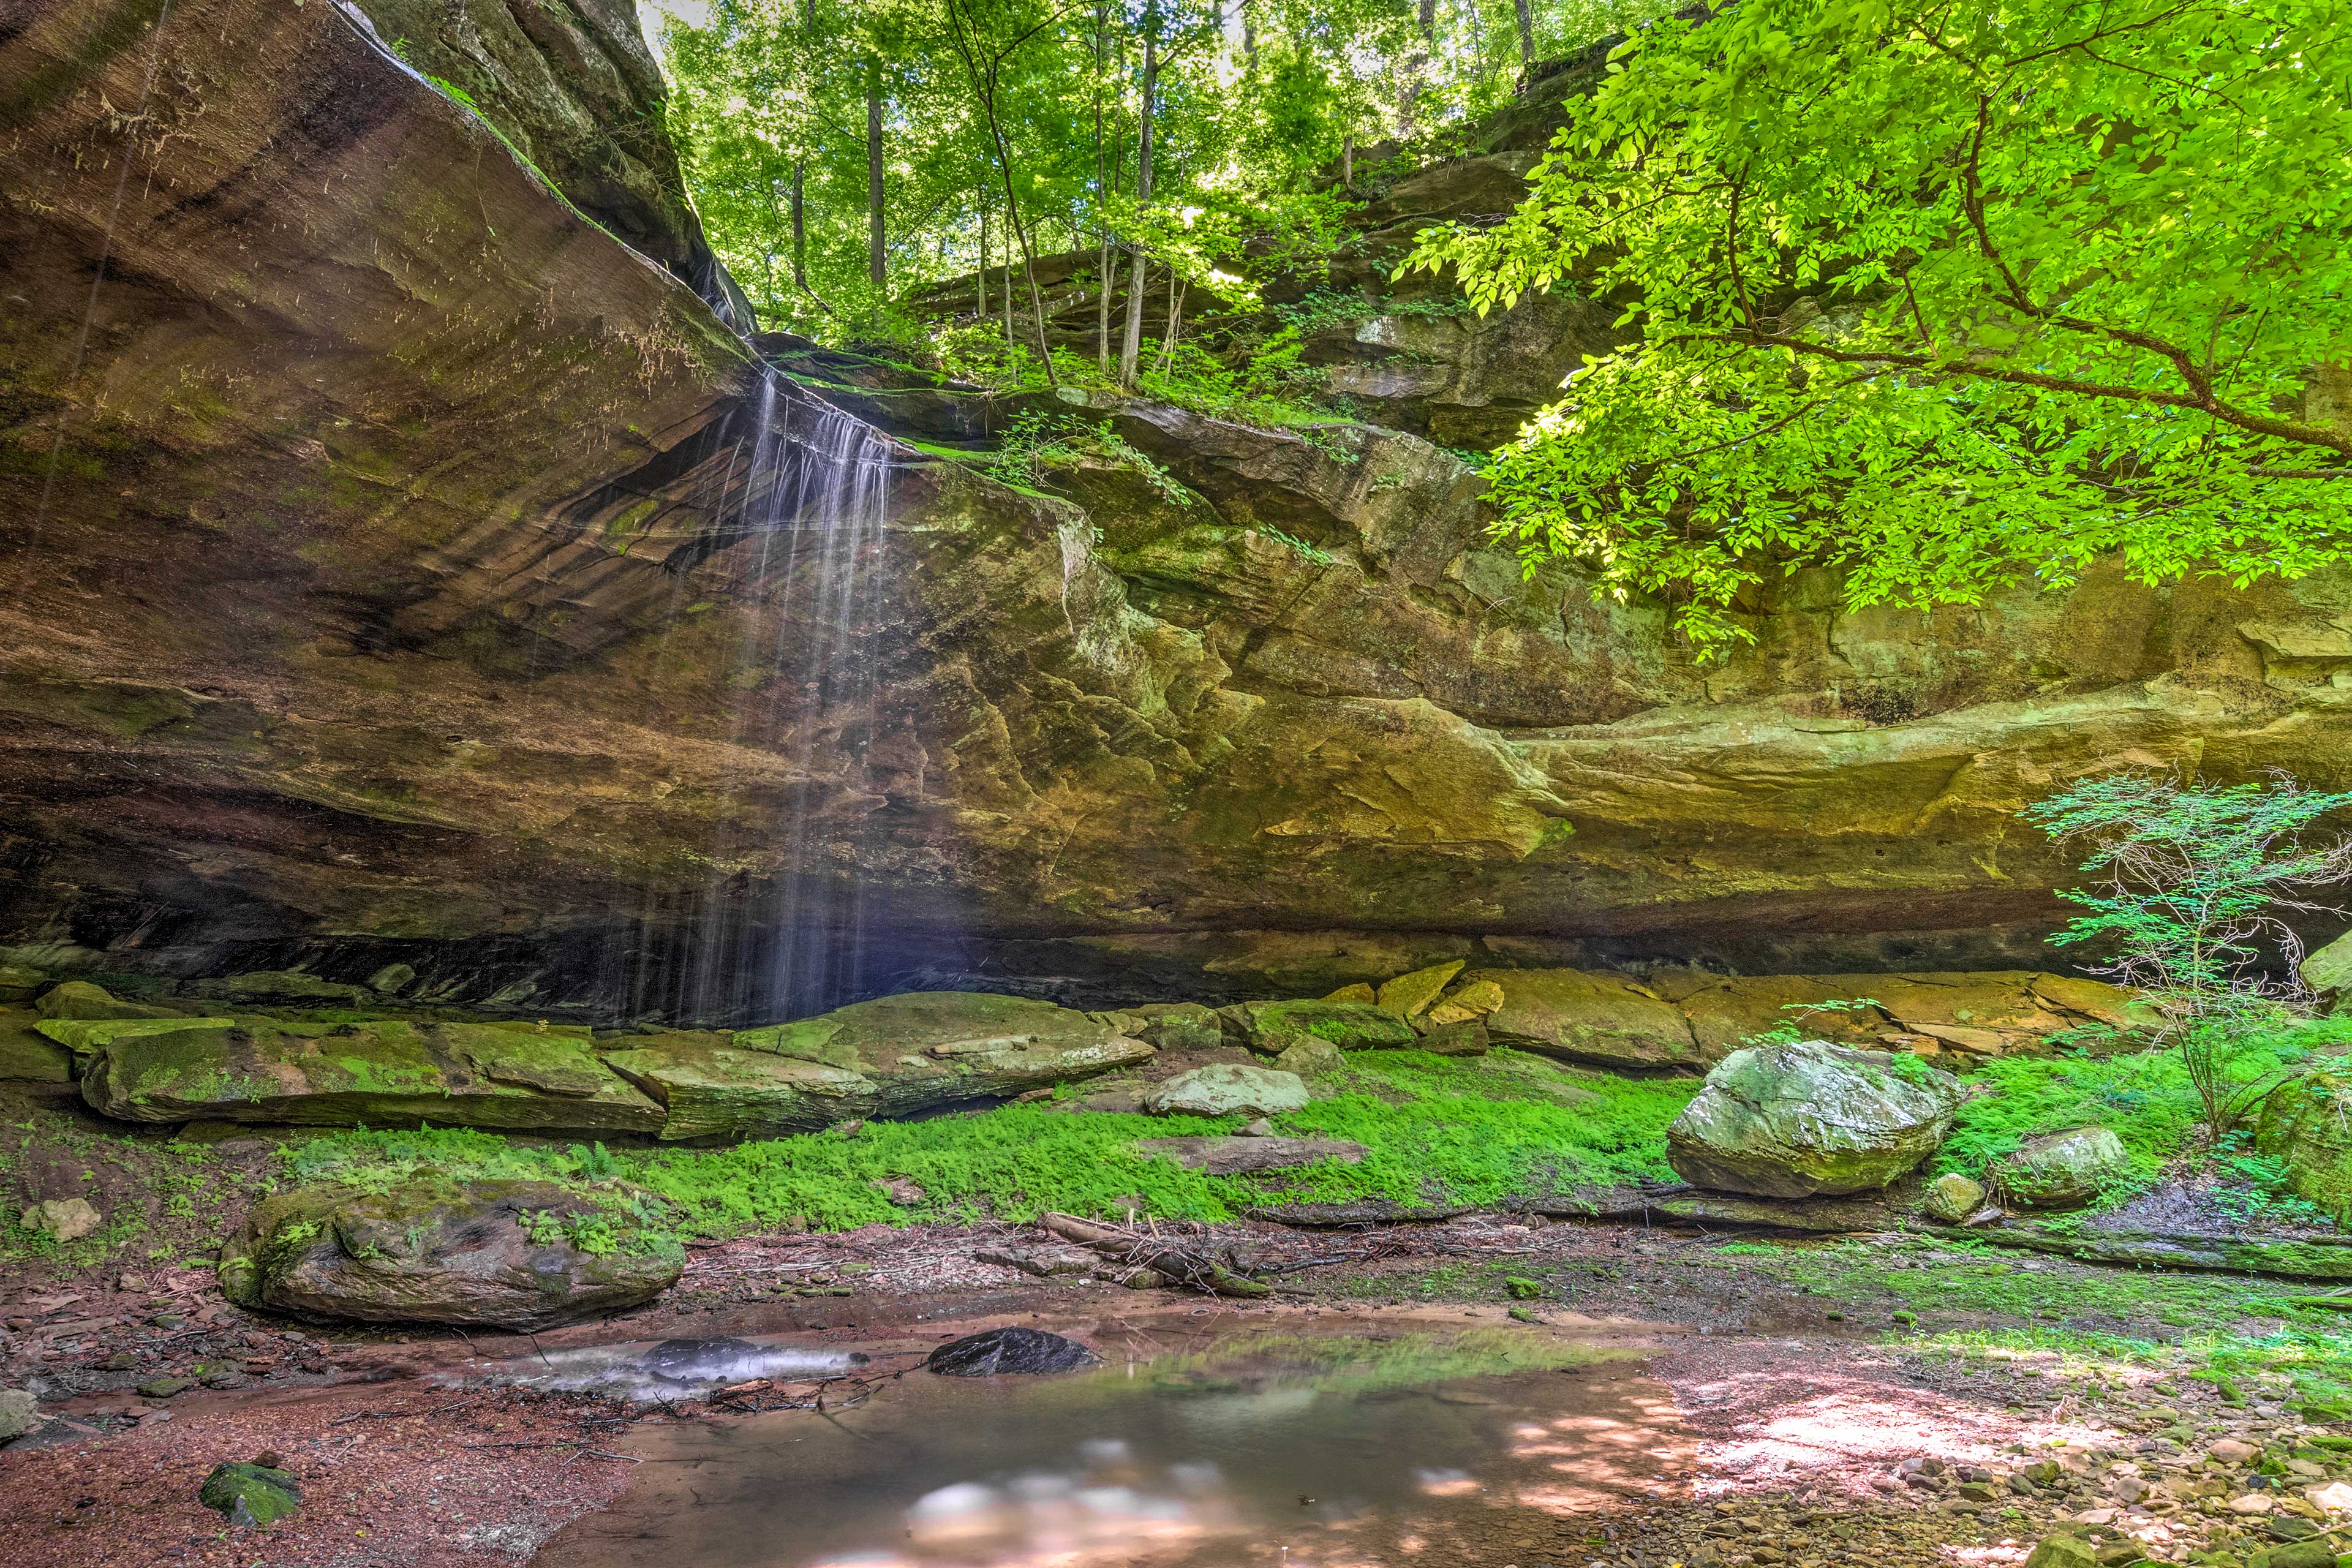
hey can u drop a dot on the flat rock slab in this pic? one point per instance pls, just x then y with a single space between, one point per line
718 1091
1226 1089
509 1255
995 1352
1271 1027
383 1072
897 1055
1239 1156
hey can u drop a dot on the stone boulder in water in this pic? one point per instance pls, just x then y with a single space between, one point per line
509 1255
1810 1119
994 1352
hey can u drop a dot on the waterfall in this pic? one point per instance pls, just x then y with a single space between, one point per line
795 493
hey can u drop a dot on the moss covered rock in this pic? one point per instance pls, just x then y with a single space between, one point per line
2329 970
2306 1127
282 988
1952 1198
28 1056
1410 996
1167 1025
1227 1088
1272 1027
709 1091
382 1072
1810 1118
2063 1170
1610 1020
256 1496
512 1255
893 1057
80 999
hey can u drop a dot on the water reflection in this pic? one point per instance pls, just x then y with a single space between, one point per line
673 1367
1322 1450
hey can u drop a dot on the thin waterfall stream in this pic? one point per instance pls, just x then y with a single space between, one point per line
778 926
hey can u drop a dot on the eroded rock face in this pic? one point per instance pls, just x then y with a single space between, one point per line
511 1255
386 607
1808 1119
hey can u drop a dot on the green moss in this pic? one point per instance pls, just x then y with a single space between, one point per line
1470 1131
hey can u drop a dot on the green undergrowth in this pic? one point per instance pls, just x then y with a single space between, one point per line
1438 1128
2146 1098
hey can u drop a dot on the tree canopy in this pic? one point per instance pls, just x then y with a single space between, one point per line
1002 125
1950 297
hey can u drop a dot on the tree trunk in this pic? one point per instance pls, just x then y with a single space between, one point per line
1009 339
800 227
875 256
1347 163
1131 351
1102 196
1175 319
981 273
1527 35
1416 66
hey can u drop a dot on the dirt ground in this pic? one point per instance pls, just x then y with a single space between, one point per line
1793 1425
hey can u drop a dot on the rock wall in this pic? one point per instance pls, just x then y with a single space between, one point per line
377 591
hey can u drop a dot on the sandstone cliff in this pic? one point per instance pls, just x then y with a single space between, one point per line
377 588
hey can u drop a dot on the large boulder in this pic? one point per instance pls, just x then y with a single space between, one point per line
2328 971
380 1073
1226 1089
2063 1170
1610 1020
510 1254
894 1056
1808 1119
2306 1127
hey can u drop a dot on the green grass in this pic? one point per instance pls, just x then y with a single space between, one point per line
1438 1128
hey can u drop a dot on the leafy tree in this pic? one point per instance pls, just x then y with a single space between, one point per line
1950 297
2195 885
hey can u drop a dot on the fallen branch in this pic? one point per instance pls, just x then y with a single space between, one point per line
1186 1266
